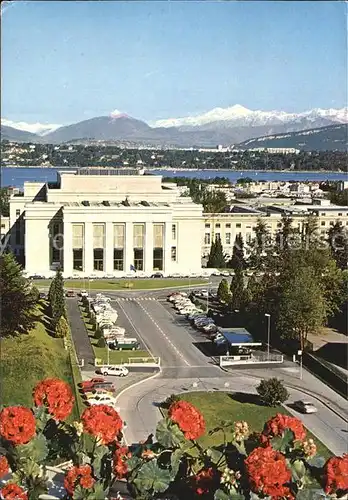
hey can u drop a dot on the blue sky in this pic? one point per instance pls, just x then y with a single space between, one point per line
68 61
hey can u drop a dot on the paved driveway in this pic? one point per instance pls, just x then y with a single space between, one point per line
79 334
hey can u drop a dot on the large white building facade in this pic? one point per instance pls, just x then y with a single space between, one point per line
101 221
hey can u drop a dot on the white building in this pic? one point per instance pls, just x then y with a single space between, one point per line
101 221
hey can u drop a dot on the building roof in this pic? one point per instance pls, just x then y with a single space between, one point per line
237 336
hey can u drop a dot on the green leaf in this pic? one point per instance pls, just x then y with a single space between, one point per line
36 449
79 493
98 492
317 494
214 455
169 435
41 417
175 460
151 477
316 461
298 470
221 495
99 454
282 443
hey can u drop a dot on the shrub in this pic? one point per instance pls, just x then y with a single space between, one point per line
272 392
98 333
101 342
62 328
35 293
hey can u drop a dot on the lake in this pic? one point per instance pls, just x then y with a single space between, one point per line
17 176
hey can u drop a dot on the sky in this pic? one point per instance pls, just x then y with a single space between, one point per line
64 62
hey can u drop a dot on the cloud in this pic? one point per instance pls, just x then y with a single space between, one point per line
35 128
151 73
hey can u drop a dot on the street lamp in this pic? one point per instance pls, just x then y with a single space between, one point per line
268 316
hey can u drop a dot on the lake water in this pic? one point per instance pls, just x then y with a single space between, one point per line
17 176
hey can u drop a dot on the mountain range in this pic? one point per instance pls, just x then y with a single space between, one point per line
226 126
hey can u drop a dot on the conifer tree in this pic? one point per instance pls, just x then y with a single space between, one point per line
239 295
237 260
17 299
62 328
216 257
223 292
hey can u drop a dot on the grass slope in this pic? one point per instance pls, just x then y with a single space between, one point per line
27 359
135 284
220 406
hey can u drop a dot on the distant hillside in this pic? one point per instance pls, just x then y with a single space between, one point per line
331 138
13 134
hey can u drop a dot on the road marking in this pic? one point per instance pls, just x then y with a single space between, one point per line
135 329
165 336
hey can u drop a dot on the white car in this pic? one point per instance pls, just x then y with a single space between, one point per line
83 293
119 371
101 399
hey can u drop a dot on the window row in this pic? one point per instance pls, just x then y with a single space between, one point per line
119 259
228 238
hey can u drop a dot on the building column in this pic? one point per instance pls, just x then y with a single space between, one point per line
128 247
67 249
109 248
148 247
167 247
88 249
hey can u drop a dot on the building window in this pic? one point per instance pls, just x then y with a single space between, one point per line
173 254
218 225
331 222
78 259
2 226
322 223
340 214
248 237
98 246
158 247
228 238
18 212
207 239
78 246
207 225
118 247
228 225
173 231
217 236
239 225
138 235
323 214
158 259
139 259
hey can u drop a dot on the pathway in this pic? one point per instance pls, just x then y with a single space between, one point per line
79 334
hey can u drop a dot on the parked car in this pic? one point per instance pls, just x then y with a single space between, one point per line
70 293
119 371
101 399
94 392
157 275
83 293
305 406
92 381
125 344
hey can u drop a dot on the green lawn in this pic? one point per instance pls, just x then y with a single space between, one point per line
217 407
124 284
27 359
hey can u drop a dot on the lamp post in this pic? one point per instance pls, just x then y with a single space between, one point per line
268 316
208 296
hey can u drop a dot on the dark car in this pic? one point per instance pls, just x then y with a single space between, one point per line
43 295
157 275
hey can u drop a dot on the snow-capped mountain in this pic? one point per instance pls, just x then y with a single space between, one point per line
239 116
35 128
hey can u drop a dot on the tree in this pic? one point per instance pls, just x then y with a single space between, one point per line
238 260
58 297
338 243
302 308
216 256
310 237
285 236
4 202
272 392
62 328
223 292
260 246
239 295
18 301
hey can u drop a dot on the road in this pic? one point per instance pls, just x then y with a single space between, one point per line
185 367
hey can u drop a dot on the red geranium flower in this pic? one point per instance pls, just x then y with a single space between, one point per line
119 461
13 492
17 424
102 421
203 481
4 467
268 474
278 424
336 474
78 476
188 418
56 395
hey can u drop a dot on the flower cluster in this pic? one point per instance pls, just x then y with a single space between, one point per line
119 461
241 430
203 481
230 478
278 424
188 418
309 448
17 424
336 474
103 422
13 492
78 476
268 474
56 395
4 467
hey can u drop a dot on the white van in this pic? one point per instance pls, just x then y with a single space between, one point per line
118 370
